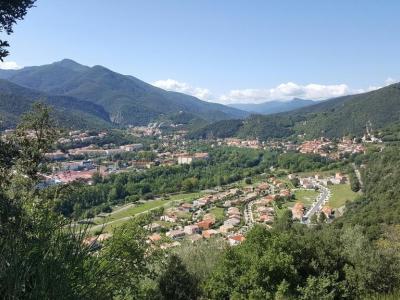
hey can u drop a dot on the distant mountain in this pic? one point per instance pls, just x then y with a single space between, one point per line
273 107
15 100
336 117
126 99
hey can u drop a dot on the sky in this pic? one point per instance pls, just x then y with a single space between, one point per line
222 51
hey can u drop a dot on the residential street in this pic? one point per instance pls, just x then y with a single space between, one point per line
322 198
358 174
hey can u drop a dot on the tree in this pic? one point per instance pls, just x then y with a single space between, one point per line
176 282
314 219
284 221
11 11
190 184
322 218
42 255
295 181
97 178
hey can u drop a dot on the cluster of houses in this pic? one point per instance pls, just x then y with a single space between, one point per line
77 163
326 148
299 210
142 131
235 142
79 136
195 220
309 182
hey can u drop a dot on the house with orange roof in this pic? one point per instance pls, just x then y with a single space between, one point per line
298 211
236 239
209 233
155 237
205 224
328 211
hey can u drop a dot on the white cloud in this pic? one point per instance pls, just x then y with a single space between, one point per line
286 91
390 81
387 82
9 65
282 92
182 87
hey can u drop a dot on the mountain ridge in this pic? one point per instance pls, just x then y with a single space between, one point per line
337 117
16 100
127 99
275 106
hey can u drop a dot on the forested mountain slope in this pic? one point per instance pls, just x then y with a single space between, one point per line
273 107
127 99
16 100
332 118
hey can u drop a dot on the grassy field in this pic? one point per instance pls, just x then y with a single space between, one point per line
340 194
122 216
218 212
307 197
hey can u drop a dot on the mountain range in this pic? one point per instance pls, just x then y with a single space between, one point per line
273 107
98 96
337 117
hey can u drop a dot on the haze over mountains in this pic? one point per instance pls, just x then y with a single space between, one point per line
106 96
272 107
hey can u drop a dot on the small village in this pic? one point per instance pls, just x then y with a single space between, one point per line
226 212
82 163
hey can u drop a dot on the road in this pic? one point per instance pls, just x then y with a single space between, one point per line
322 198
358 174
248 217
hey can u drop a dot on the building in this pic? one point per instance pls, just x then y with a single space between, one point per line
175 234
236 239
306 183
205 224
234 221
298 211
171 219
188 158
233 211
70 176
191 229
327 211
155 237
226 228
209 233
131 147
153 227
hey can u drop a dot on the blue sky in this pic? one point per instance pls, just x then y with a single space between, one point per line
225 51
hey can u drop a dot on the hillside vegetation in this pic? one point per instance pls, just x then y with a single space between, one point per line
126 99
332 118
70 112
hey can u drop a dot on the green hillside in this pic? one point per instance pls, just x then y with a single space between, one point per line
69 112
126 99
332 118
